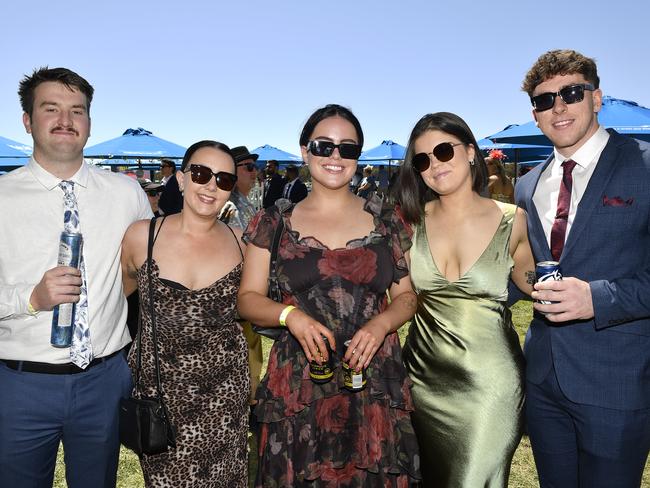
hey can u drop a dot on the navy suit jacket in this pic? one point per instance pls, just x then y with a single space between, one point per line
171 198
604 361
298 191
272 190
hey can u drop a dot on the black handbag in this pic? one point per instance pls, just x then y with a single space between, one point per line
145 427
274 292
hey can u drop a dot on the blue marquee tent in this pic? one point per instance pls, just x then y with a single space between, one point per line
516 153
13 154
383 154
267 153
135 144
13 149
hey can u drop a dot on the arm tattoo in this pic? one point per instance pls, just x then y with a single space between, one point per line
530 277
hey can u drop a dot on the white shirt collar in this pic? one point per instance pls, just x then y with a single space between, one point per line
49 181
590 150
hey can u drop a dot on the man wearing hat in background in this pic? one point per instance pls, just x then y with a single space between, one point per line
237 212
294 189
171 198
153 191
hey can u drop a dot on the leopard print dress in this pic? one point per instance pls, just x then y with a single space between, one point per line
204 371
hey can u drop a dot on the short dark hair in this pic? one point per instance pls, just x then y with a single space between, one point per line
207 143
69 78
560 62
331 110
410 190
168 162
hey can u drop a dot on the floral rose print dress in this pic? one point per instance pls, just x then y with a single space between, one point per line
322 435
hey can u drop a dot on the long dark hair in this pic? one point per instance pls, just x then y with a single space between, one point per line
198 145
410 190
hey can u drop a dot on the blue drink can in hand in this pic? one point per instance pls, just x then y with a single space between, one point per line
548 270
63 314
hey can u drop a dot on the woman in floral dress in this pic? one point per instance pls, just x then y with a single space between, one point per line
338 256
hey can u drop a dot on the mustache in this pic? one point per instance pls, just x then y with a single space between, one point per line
68 129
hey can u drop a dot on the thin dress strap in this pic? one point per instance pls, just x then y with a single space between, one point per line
236 241
158 231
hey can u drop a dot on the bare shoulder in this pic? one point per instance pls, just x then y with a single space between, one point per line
238 232
235 232
136 230
520 226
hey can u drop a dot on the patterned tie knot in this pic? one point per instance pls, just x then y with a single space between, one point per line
67 186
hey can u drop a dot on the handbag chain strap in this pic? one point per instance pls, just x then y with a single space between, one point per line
274 286
152 313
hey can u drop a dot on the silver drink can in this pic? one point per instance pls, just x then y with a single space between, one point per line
548 270
63 315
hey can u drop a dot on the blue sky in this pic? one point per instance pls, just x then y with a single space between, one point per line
251 72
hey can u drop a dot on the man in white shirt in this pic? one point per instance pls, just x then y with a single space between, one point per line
588 347
45 398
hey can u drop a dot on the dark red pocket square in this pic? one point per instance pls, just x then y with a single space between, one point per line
616 202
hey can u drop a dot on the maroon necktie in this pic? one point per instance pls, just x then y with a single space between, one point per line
558 231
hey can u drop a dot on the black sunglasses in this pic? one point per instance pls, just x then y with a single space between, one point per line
347 150
569 94
201 175
248 166
153 193
443 153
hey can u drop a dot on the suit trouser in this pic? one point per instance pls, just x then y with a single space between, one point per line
37 411
255 357
583 445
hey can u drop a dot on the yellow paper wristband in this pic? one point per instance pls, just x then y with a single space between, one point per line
31 310
284 315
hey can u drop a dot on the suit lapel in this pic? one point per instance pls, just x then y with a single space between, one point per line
534 223
594 191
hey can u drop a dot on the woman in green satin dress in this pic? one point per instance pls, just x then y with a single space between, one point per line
462 351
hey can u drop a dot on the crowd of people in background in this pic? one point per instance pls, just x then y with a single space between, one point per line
331 261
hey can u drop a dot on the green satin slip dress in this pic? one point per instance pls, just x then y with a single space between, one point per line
467 367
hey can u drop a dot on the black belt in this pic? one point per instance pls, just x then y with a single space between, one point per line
47 368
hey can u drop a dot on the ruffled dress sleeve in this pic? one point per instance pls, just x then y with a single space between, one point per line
261 228
400 238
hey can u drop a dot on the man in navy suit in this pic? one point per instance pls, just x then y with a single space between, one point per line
294 189
171 198
273 185
588 352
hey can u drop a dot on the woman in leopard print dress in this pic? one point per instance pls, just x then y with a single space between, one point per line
195 273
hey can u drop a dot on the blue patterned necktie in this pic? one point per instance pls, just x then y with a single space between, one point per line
81 351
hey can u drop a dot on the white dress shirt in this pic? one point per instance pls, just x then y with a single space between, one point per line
287 188
548 187
31 221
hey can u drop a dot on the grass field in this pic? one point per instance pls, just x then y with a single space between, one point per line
522 475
